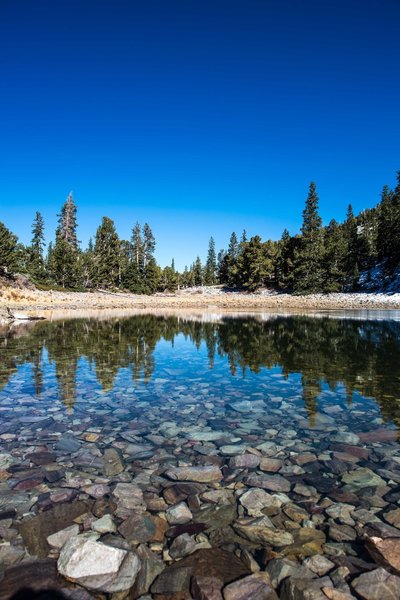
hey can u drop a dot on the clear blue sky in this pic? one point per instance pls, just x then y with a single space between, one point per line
198 116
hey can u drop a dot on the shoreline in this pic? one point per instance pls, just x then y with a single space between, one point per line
36 301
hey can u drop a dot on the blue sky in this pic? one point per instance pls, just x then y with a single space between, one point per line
200 117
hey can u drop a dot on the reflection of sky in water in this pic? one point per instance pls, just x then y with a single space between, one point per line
85 364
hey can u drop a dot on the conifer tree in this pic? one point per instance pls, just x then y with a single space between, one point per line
36 249
210 270
197 272
308 271
137 247
257 266
9 259
351 262
334 258
149 244
284 261
106 255
65 256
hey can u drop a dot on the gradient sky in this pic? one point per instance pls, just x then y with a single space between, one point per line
198 116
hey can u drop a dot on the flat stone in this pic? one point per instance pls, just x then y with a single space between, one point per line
271 465
179 514
393 517
257 586
206 474
58 539
68 444
274 483
96 566
255 500
363 477
377 585
113 463
258 531
244 461
129 496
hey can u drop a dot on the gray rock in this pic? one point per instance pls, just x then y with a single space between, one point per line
280 568
206 474
151 567
253 586
259 531
377 585
58 539
361 478
68 444
183 545
105 524
244 461
274 483
98 567
113 464
179 514
319 564
255 500
294 588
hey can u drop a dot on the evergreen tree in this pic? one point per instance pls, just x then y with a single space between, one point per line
152 275
9 259
149 244
65 256
244 237
257 264
168 280
137 247
334 258
36 249
284 261
197 272
106 255
210 271
351 262
308 271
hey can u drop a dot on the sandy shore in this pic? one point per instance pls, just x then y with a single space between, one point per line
39 301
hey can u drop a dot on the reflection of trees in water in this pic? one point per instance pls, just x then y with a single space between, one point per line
360 354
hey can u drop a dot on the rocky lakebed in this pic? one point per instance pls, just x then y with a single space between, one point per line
191 482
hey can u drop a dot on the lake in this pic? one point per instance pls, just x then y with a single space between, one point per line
203 442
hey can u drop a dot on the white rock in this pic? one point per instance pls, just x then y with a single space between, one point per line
96 566
104 525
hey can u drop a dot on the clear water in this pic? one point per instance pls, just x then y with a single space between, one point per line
319 394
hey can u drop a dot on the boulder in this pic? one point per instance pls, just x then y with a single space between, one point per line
96 566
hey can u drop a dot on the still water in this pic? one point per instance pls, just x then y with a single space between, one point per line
296 417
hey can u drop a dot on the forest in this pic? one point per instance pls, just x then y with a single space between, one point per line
336 257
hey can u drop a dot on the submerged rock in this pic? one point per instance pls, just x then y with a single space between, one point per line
96 566
377 585
199 474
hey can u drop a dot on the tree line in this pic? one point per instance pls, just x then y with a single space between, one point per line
332 258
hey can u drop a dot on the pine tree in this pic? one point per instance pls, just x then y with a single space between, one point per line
308 271
137 247
244 237
65 256
210 271
257 265
36 259
9 259
149 244
334 258
152 275
284 261
67 223
106 255
352 259
197 272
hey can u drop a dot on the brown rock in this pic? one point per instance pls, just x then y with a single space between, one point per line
206 588
385 552
257 586
377 585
